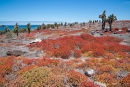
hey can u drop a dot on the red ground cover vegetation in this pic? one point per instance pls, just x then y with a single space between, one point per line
76 45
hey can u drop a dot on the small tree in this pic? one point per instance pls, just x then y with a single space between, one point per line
29 27
110 19
16 27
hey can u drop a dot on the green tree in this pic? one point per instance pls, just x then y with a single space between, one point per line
29 27
110 20
16 27
103 17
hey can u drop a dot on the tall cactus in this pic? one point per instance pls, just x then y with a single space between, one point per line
7 29
16 28
110 19
65 24
29 27
56 25
43 26
103 17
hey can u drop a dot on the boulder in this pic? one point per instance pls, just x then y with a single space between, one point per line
128 30
101 33
119 30
36 40
89 72
92 33
15 53
115 32
121 74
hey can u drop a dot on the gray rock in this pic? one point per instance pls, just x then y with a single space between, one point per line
10 77
15 53
92 33
80 71
128 30
121 74
115 32
89 72
101 33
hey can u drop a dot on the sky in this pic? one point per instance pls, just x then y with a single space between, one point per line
62 10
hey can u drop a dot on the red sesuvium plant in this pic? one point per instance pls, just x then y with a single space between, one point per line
77 53
5 68
47 62
79 80
27 61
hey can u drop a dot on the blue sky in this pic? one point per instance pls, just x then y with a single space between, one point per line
62 10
